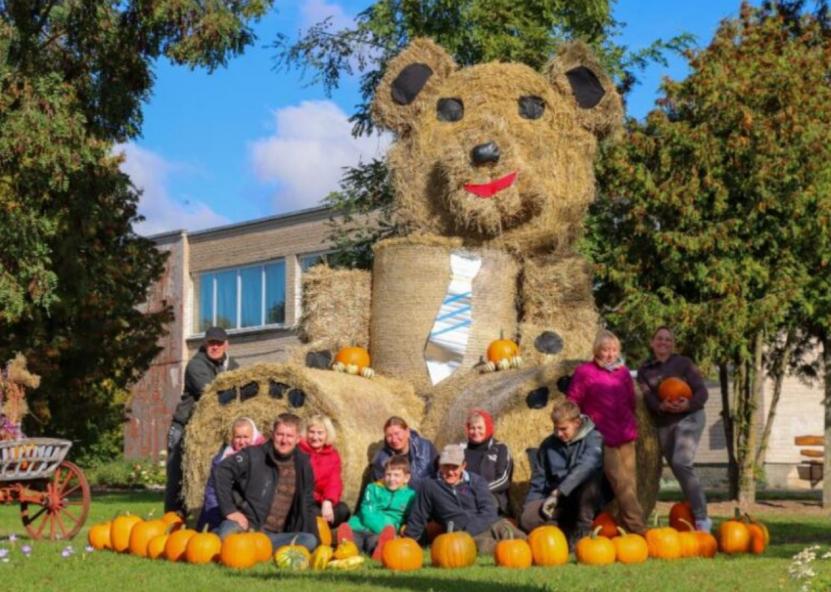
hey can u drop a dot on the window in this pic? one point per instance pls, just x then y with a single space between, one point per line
243 297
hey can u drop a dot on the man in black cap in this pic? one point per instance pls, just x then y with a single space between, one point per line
211 359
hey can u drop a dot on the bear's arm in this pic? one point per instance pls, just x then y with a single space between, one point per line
556 297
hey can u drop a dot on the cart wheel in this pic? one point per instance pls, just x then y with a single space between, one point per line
64 506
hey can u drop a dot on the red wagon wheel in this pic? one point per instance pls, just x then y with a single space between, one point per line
59 506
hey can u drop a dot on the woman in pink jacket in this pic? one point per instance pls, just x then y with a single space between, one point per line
605 391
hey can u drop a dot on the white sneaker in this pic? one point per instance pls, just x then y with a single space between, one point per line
705 525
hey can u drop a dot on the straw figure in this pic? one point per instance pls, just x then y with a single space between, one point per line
15 378
492 171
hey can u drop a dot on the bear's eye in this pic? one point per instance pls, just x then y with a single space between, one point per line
531 107
450 109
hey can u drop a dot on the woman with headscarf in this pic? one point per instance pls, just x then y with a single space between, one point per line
489 458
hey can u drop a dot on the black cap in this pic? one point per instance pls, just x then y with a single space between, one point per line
216 334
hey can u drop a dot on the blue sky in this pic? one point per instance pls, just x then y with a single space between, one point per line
246 141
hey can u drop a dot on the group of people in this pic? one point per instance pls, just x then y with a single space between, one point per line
291 485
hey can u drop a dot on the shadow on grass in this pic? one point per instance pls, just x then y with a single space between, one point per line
789 537
416 581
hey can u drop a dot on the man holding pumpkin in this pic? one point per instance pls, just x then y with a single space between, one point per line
679 416
270 488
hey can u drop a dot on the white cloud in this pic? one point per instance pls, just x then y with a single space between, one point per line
150 173
314 11
306 155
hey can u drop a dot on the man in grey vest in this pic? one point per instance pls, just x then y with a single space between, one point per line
211 359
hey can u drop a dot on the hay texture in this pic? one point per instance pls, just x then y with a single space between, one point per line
358 407
552 155
410 280
335 307
15 378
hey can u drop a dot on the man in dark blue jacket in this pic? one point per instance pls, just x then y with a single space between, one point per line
459 500
566 479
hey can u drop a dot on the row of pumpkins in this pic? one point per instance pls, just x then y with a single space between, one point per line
546 545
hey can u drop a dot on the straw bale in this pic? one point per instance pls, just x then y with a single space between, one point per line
358 407
556 296
335 307
410 279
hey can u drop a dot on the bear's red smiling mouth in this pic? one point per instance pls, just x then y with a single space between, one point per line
493 187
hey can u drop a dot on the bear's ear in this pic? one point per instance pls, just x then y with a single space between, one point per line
409 84
575 73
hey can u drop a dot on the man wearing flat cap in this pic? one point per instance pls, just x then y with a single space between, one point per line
459 500
211 359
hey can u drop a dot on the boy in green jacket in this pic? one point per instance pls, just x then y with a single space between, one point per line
383 509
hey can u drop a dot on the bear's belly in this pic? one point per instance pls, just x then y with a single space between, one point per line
412 285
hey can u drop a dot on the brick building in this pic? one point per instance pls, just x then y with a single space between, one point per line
247 277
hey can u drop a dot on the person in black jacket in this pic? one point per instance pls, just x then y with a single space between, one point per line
270 488
459 500
211 359
566 479
489 458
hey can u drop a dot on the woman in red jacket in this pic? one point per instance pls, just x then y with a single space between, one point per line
320 433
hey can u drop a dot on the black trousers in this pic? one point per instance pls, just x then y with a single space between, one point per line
173 501
574 513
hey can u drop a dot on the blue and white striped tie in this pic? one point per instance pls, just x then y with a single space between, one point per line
448 338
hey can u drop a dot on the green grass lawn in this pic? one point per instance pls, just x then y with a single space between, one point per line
101 571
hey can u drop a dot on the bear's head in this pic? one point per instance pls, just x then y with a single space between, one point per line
495 153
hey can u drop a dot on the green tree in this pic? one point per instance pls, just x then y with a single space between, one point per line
712 205
473 31
73 76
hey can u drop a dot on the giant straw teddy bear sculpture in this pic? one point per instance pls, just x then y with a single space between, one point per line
492 170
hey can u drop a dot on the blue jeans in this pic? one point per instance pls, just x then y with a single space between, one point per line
278 539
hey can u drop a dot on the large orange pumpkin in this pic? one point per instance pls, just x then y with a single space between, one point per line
238 550
99 536
513 553
690 547
141 534
353 356
548 546
733 537
595 549
759 535
402 554
203 547
707 544
453 549
607 524
630 548
177 544
681 516
120 529
262 545
663 543
155 548
174 520
672 389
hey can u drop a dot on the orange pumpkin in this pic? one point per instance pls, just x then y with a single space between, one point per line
120 529
759 535
630 548
607 524
663 543
203 547
177 544
453 549
681 516
353 356
733 537
690 546
707 544
595 549
262 545
323 531
502 349
402 554
548 546
99 536
513 553
174 520
239 551
155 548
672 389
141 534
346 549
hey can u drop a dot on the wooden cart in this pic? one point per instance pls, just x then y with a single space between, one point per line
53 493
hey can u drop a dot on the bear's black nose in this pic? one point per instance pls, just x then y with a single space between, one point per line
485 153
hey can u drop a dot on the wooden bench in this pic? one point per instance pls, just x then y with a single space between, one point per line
811 467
